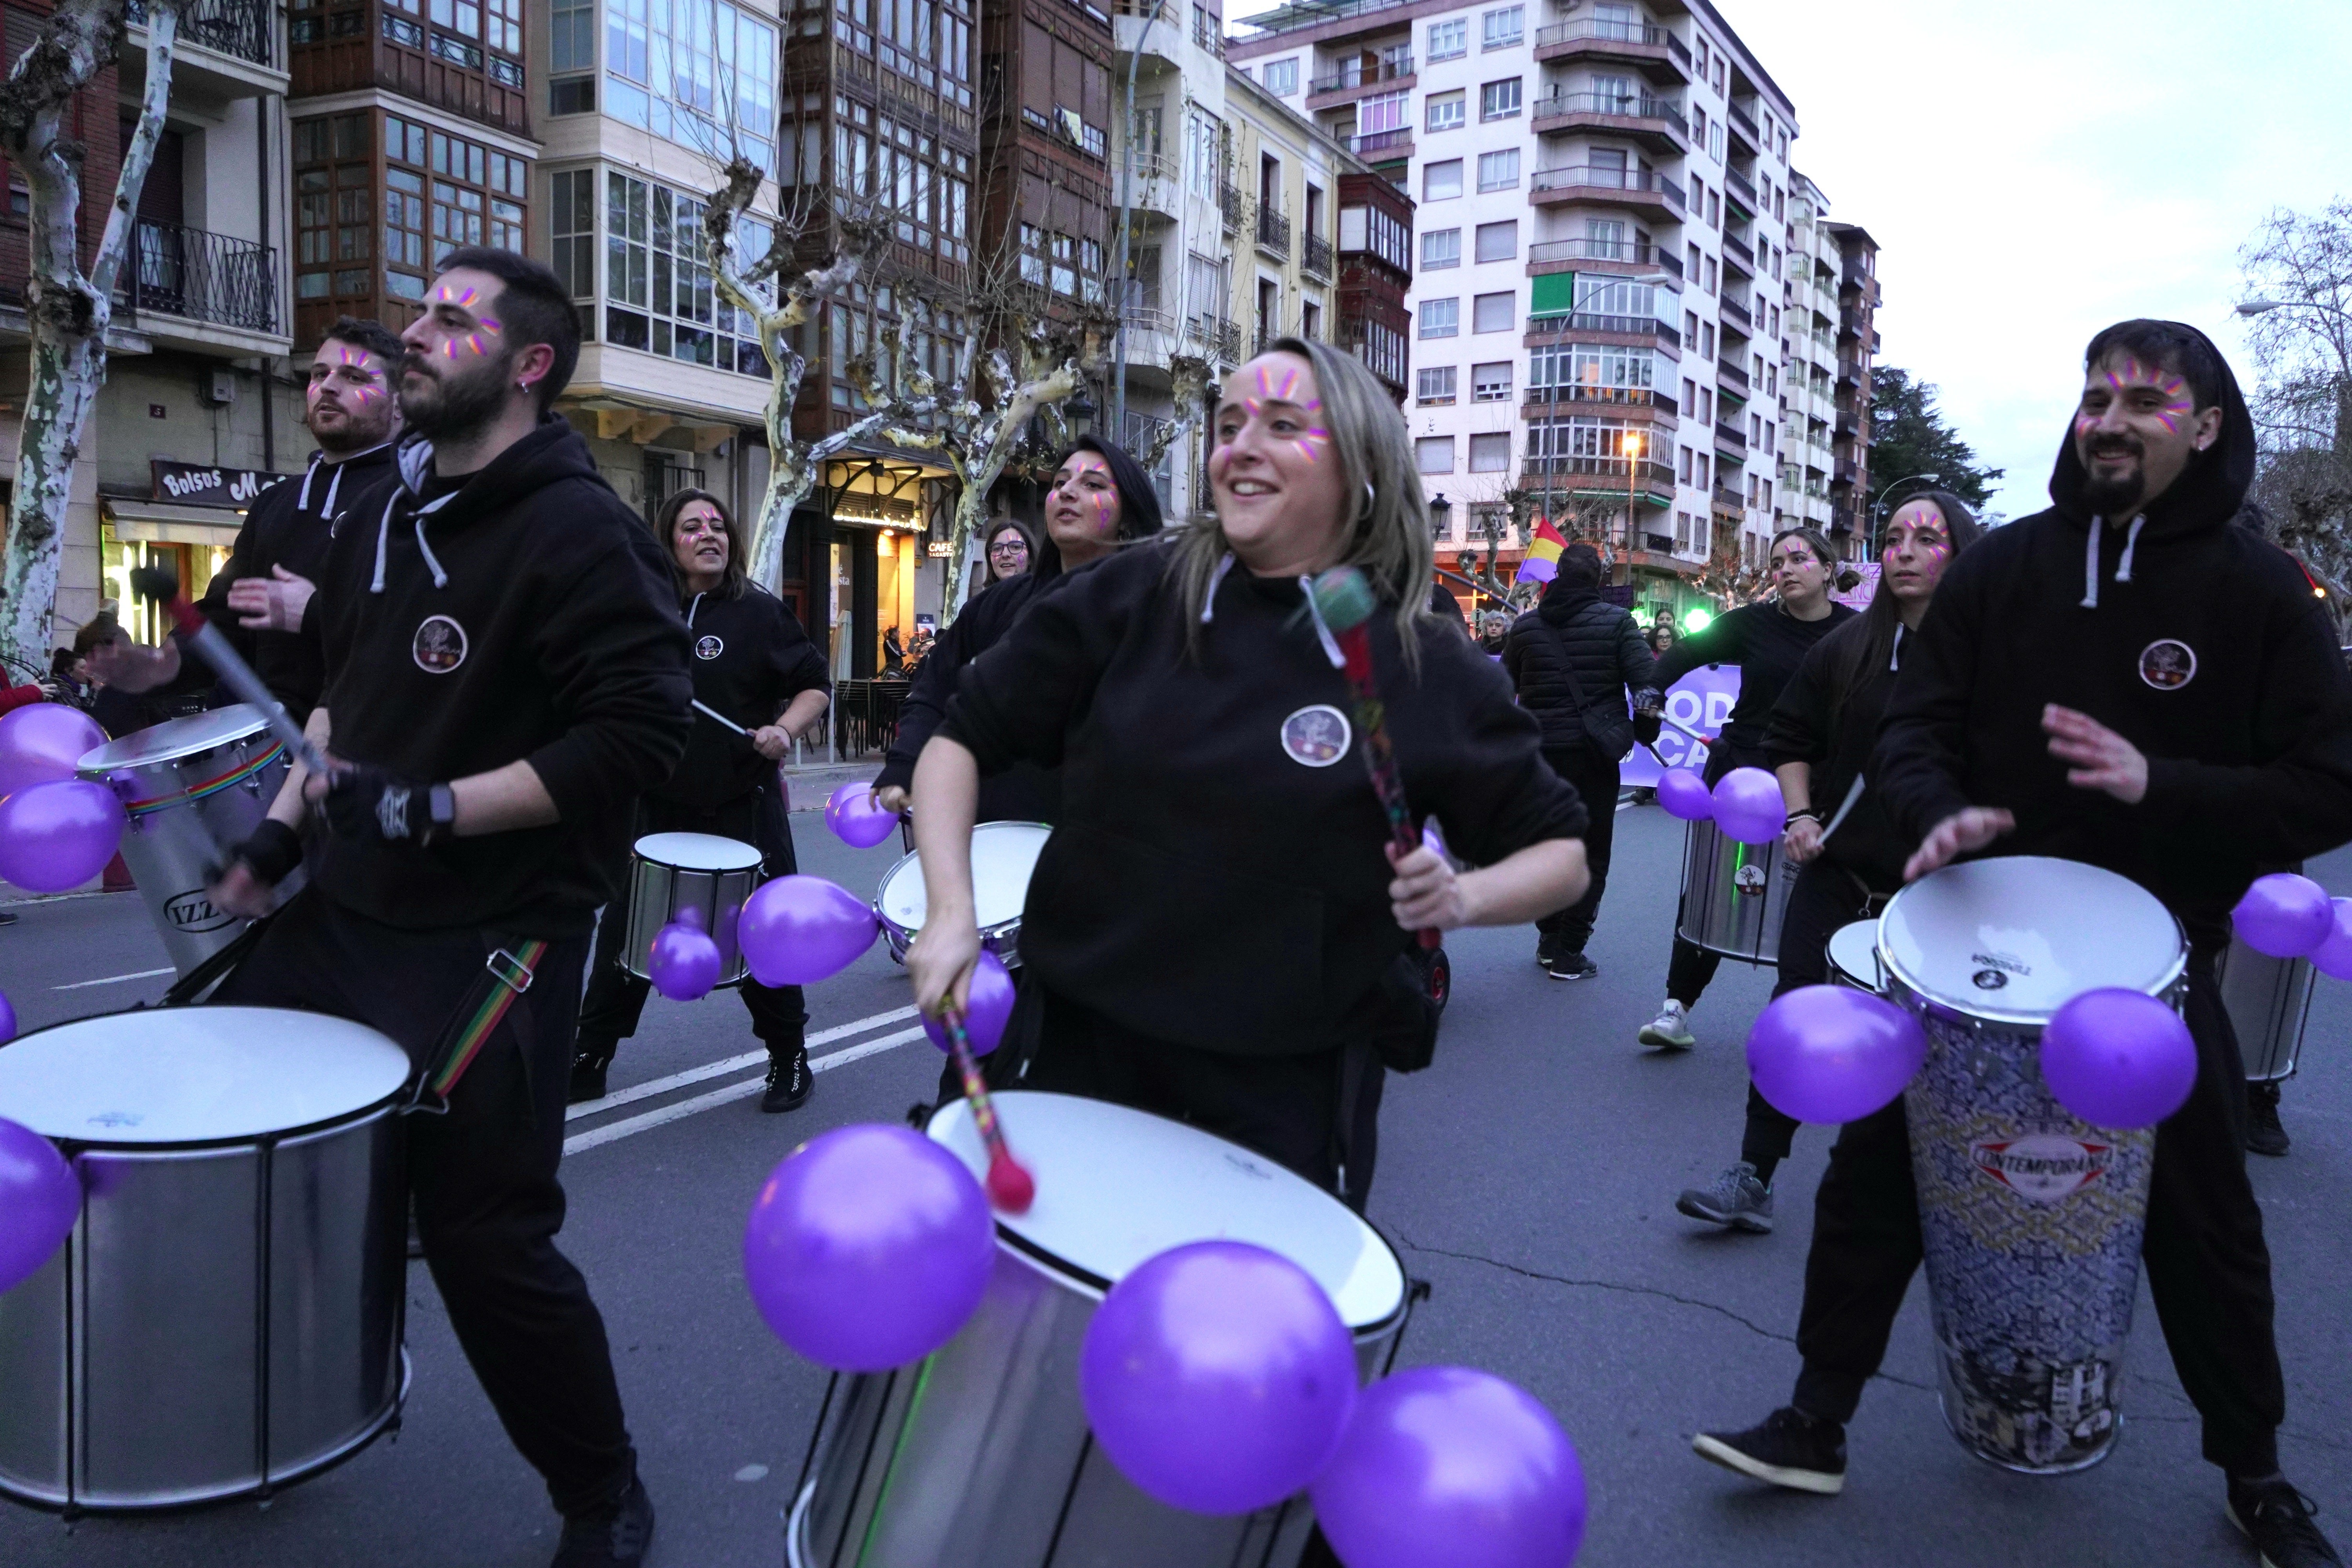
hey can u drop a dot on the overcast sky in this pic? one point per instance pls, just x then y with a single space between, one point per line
2037 169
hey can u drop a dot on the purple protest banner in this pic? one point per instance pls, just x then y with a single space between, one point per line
1700 700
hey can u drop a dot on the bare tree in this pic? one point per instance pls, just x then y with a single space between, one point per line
68 310
2302 400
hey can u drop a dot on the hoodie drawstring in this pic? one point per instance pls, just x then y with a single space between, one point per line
1894 656
334 488
383 534
1322 631
690 609
2131 542
2091 558
1216 581
302 502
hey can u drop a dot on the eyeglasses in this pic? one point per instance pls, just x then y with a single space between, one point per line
1015 548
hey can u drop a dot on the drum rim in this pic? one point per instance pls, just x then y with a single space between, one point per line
91 765
914 856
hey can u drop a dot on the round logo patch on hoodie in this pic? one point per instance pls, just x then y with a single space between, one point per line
709 648
439 646
2168 664
1316 737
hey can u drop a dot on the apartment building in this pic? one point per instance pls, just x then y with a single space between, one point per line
1857 351
1603 196
1809 318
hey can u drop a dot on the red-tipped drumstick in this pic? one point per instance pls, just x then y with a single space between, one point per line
1345 603
161 587
1011 1187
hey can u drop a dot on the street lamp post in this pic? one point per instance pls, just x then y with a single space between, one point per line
1633 444
1881 500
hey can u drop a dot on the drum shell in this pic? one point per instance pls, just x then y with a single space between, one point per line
1002 936
1856 968
2269 1002
1735 895
657 893
223 1321
175 846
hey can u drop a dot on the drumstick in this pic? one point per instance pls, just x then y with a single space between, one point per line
158 586
723 718
1852 794
1345 603
1010 1185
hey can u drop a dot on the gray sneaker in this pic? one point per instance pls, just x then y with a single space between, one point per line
1670 1030
1736 1199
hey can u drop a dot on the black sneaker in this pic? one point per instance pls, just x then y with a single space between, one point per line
1573 966
788 1080
1789 1449
1736 1199
2280 1522
8 918
588 1072
2263 1133
615 1538
1548 951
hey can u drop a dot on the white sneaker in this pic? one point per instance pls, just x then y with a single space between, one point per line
1670 1030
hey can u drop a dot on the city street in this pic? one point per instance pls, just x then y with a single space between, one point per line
1529 1175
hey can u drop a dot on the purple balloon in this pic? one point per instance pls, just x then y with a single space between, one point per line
7 1019
2333 956
2118 1058
1446 1464
1218 1378
1832 1054
1684 795
684 962
1748 807
40 1198
2284 915
796 930
989 1007
855 820
869 1247
57 835
41 741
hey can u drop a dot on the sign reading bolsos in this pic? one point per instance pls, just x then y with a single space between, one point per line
193 484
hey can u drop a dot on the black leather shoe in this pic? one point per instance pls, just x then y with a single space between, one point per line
2280 1522
2263 1133
1789 1449
588 1075
614 1538
789 1079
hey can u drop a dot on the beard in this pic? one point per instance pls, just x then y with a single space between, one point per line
2110 496
357 431
444 402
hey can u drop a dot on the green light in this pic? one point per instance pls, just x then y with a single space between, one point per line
1695 621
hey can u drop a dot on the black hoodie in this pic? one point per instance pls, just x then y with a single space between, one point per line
2200 643
751 658
525 613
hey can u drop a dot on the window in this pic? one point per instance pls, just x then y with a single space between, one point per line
1282 76
1440 249
1441 181
1490 454
1594 365
1385 111
1498 241
657 288
1434 454
571 226
1500 99
1490 382
681 70
1503 29
1437 387
1494 312
1440 318
1446 110
333 224
1204 150
1449 41
573 95
1499 171
571 36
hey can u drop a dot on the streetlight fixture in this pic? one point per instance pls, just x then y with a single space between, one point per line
1441 517
1879 505
1633 444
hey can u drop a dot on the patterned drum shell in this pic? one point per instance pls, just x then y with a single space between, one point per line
1734 894
2031 1218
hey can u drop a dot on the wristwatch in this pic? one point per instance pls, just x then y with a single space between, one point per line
441 809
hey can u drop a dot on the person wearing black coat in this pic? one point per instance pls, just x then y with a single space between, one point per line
2129 681
1574 661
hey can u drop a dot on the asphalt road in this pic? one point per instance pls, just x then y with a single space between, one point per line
1529 1175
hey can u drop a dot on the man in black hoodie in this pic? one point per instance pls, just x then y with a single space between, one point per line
2127 681
505 673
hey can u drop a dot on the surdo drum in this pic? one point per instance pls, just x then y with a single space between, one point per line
1854 956
699 876
2269 1001
980 1455
1003 855
2031 1219
1734 894
225 1318
195 789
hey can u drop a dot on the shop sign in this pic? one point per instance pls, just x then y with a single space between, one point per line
194 484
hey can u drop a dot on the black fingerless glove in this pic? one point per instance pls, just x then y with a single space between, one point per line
368 804
1649 718
270 852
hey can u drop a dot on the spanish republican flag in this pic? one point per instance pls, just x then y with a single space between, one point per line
1542 563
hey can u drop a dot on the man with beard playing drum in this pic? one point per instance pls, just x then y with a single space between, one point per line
506 674
2127 680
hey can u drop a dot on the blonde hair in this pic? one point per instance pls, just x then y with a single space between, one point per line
1389 542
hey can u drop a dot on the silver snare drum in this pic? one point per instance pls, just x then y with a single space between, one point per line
700 875
2269 1001
1854 956
1734 894
2031 1219
1003 855
194 788
225 1318
980 1455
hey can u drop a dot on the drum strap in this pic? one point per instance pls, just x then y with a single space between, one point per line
505 976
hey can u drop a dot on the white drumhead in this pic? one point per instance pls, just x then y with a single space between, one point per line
173 738
1117 1186
696 852
1853 949
1004 854
2013 939
194 1075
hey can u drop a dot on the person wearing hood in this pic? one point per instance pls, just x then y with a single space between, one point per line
260 598
1575 660
506 672
2129 681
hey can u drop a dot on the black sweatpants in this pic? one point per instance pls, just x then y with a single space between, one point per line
483 1175
1692 968
615 998
2208 1267
1595 779
1825 898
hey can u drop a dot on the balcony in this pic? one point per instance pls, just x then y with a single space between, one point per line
1601 474
1219 339
1840 519
1641 328
1208 33
1726 499
1739 191
1654 123
241 30
1353 78
1847 472
227 49
1151 333
1158 184
1229 202
226 286
1654 52
1273 232
1561 255
1540 399
1731 380
1743 126
1849 372
1737 256
1150 28
1314 255
1651 195
1735 318
1386 146
1731 440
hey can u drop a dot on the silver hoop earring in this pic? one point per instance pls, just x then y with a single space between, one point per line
1372 498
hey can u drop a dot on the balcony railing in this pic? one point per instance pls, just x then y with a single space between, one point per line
1160 9
1730 437
1355 73
1208 33
201 277
1600 176
1735 318
1594 30
1724 496
1743 121
1737 249
1623 105
1730 378
239 28
1845 473
1579 321
1380 142
1603 467
1544 250
1315 255
1616 396
1741 186
1229 202
1222 338
1850 370
1273 232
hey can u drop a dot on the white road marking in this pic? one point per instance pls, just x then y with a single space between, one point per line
646 1091
115 979
650 1120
